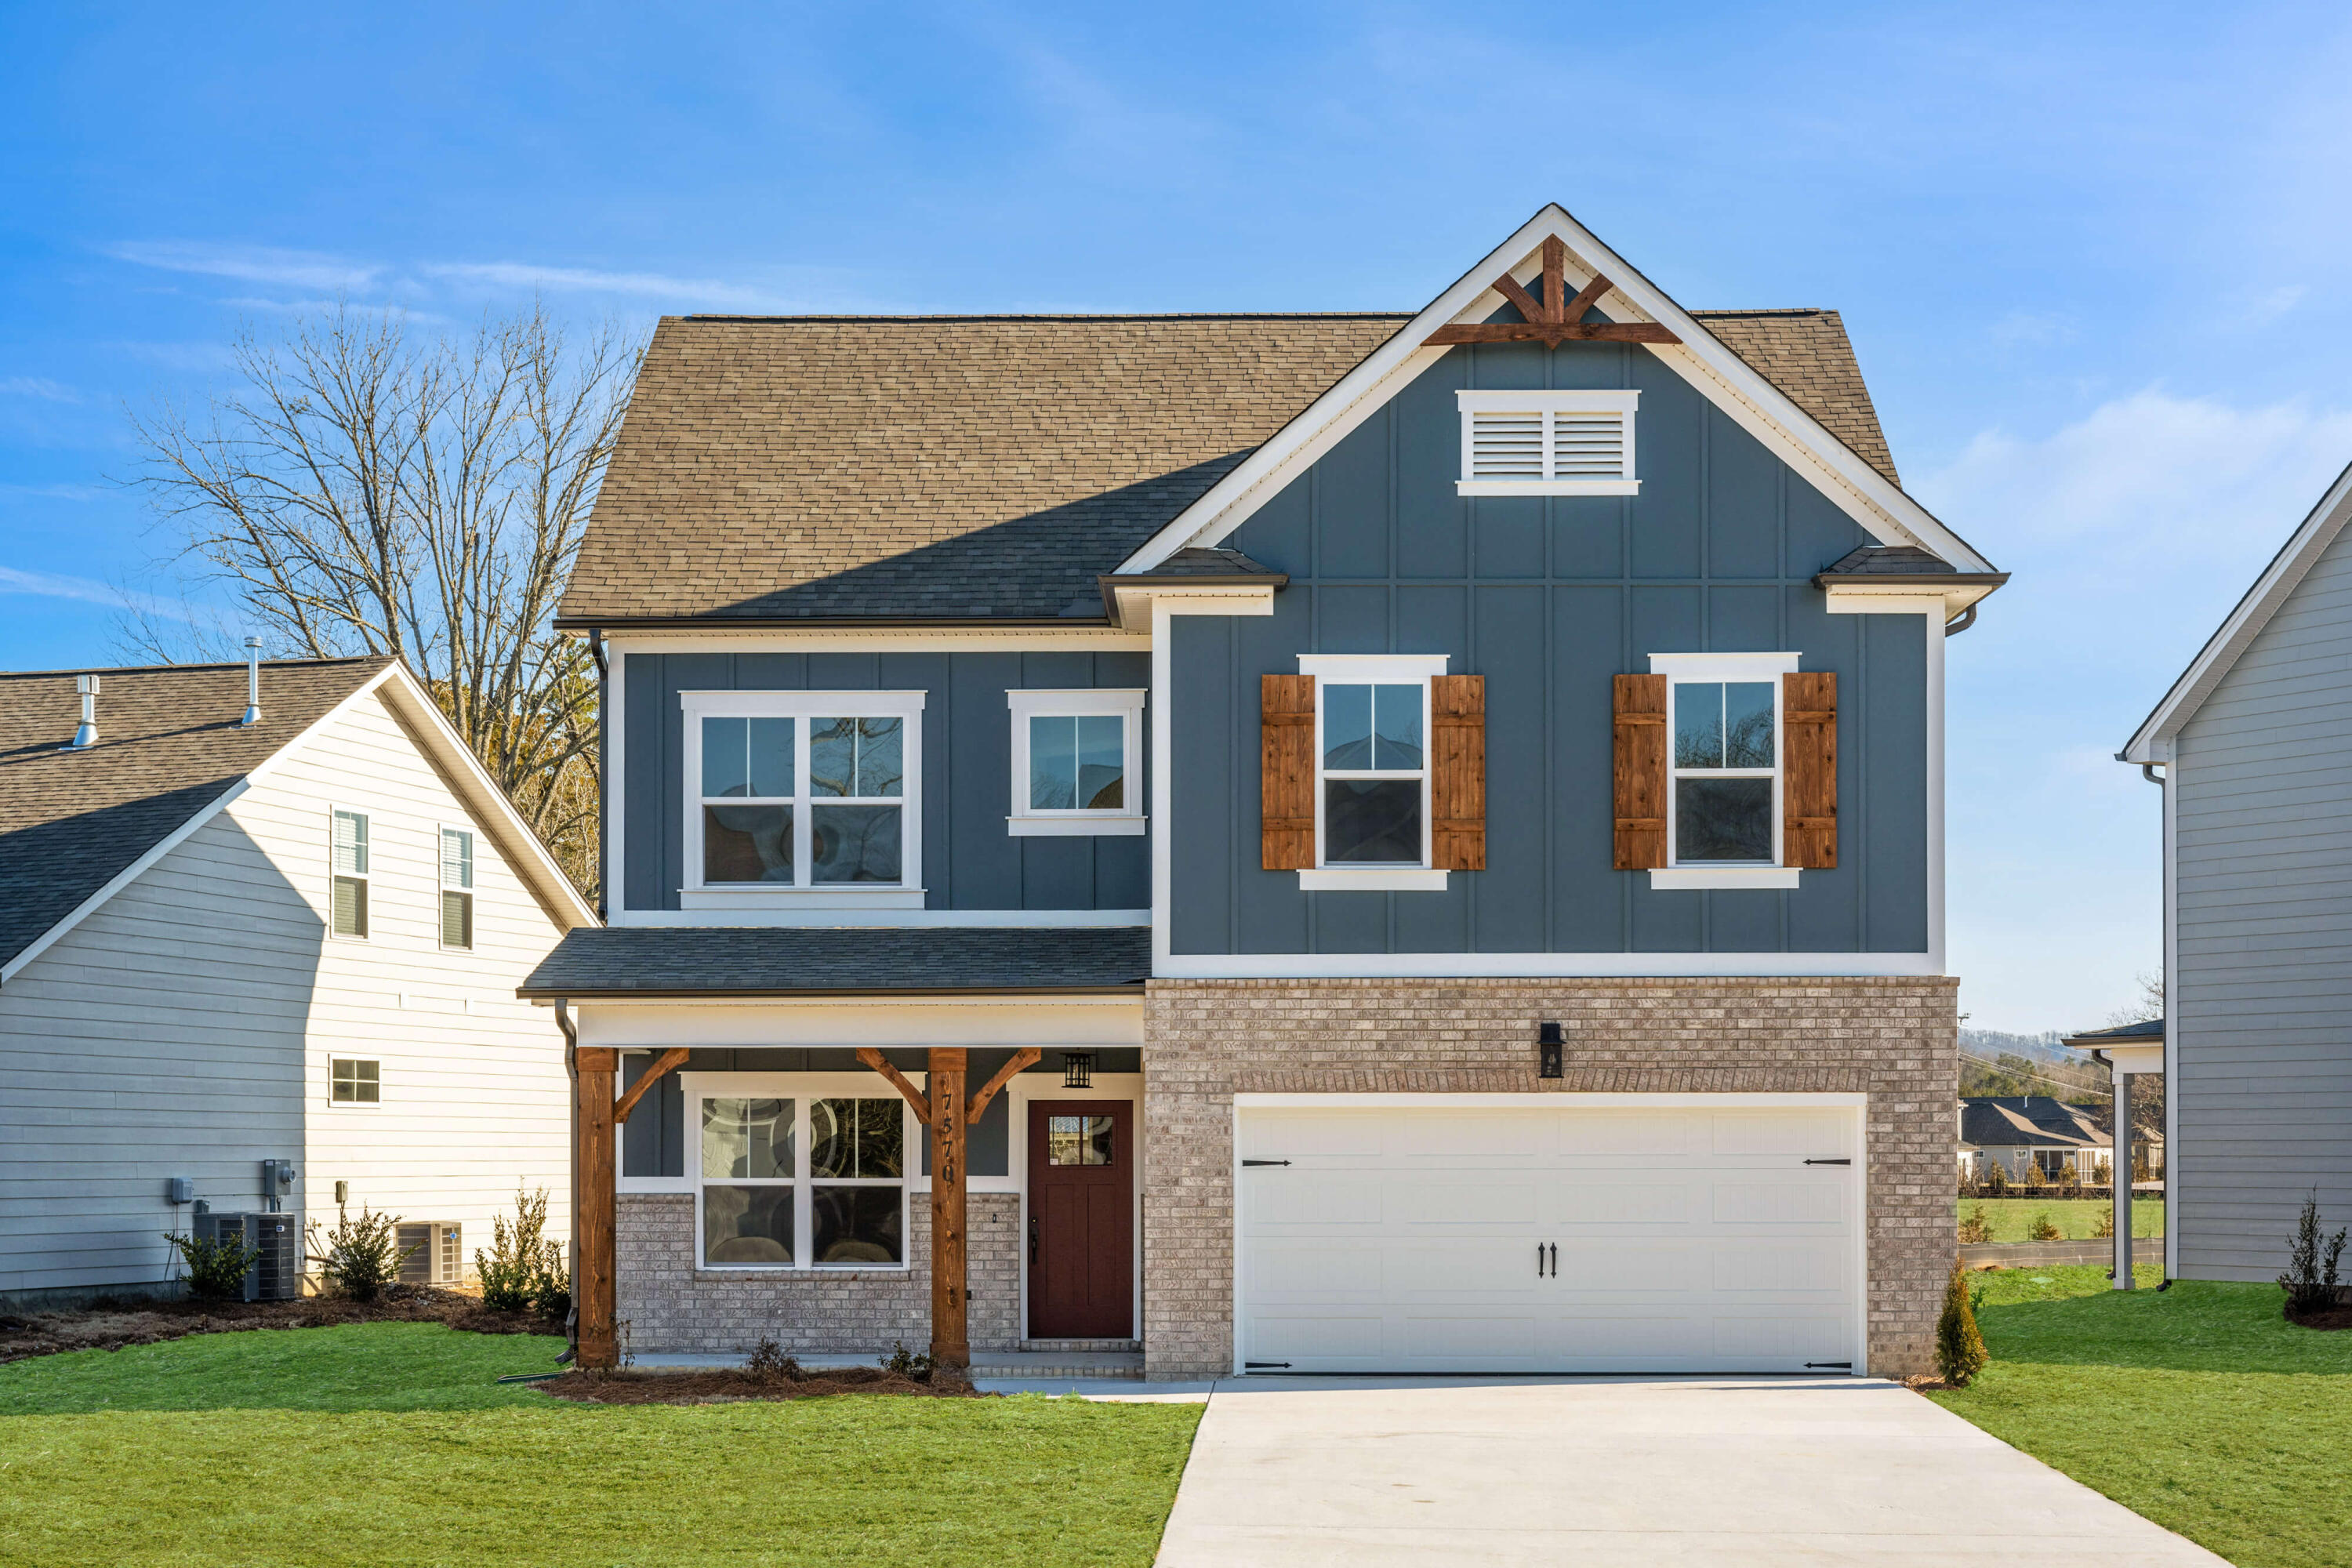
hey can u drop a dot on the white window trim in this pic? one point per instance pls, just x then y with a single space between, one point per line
441 885
1708 668
1030 822
800 1089
366 879
1373 668
1548 403
804 705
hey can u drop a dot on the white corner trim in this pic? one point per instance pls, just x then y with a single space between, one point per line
1668 879
1541 965
1078 824
1371 879
1372 667
2152 741
1723 665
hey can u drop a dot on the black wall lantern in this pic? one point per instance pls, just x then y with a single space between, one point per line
1548 1047
1077 1069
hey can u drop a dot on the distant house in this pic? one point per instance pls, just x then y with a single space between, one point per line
260 961
2015 1131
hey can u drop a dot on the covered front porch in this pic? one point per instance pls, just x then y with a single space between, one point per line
2127 1051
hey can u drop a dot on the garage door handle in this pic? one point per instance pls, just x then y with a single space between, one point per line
1540 1261
1829 1162
1555 1261
1249 1162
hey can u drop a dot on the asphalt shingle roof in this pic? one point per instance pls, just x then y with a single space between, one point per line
168 745
2036 1120
738 961
891 468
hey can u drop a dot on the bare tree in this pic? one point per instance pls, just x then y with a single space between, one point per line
363 491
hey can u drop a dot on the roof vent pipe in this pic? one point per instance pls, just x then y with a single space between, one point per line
252 684
87 736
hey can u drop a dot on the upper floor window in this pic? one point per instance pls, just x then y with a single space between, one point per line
348 890
456 888
1077 762
1548 443
1725 764
802 790
1372 813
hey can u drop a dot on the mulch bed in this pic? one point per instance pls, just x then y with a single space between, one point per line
2336 1317
111 1327
727 1385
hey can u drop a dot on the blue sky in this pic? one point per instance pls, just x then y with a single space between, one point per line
2094 259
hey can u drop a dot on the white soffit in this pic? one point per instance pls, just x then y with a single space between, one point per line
1867 495
2152 741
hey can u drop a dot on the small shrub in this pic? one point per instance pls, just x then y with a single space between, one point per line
908 1363
2040 1228
2104 1227
2102 1172
1960 1351
2310 1278
216 1269
2034 1176
523 1268
769 1360
1996 1179
363 1255
1975 1228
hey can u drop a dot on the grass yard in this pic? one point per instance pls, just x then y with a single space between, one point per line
2199 1407
391 1443
2076 1218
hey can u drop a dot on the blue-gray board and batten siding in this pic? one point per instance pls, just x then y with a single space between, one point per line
969 861
1547 597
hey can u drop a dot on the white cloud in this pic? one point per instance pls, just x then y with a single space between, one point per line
56 586
518 275
252 264
53 492
38 386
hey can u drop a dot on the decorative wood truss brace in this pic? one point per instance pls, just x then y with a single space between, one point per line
1553 319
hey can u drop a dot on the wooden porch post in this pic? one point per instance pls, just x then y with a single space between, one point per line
592 1201
951 1338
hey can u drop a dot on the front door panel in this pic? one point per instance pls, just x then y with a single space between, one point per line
1081 1240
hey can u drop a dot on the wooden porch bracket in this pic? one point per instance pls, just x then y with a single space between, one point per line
1553 319
671 1058
898 1080
1023 1060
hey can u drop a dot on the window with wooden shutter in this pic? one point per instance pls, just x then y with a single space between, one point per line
1457 722
1809 777
1548 443
1287 772
1640 772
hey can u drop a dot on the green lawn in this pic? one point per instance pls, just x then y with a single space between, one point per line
2201 1407
2076 1218
389 1443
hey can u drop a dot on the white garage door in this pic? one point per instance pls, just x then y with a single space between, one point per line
1624 1236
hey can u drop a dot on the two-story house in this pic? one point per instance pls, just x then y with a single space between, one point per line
1441 813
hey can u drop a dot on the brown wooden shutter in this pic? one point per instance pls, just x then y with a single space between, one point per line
1808 770
1641 771
1457 777
1287 772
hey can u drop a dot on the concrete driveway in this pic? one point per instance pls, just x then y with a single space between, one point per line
1593 1471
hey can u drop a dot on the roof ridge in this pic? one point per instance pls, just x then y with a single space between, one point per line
189 668
919 318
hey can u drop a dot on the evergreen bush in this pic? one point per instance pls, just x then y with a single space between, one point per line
524 1268
1975 1228
1960 1351
2310 1278
2040 1228
216 1269
363 1255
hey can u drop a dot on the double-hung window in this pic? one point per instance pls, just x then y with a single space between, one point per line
456 888
1372 818
1722 806
348 878
802 1181
801 794
1077 762
1535 443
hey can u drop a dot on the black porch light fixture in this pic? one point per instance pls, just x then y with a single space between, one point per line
1077 1069
1548 1050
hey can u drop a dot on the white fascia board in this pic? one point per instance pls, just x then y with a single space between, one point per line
2152 741
1875 503
488 804
1542 965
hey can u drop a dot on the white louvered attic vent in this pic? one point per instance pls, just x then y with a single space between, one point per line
1548 443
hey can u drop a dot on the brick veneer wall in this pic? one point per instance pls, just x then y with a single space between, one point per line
1206 1040
669 1304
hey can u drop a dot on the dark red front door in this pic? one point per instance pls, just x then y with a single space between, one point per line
1081 1219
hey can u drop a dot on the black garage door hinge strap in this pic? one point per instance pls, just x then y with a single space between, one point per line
1829 1162
1254 1365
1846 1365
1247 1163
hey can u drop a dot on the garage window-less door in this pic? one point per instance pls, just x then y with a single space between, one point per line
1655 1236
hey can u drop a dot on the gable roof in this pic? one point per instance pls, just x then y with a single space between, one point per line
2036 1120
77 825
2152 741
889 468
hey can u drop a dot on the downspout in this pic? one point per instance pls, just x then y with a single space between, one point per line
571 1071
1961 622
2171 1211
604 836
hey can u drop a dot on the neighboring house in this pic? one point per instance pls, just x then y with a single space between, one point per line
292 939
1456 798
2013 1131
2256 1048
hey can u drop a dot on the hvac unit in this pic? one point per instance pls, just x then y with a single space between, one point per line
277 1241
439 1257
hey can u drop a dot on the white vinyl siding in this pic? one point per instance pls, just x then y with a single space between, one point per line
188 1027
1548 443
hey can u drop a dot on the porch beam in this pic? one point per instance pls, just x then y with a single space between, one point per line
663 1064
